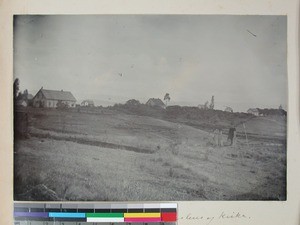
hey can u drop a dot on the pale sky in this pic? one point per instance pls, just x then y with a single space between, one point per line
241 60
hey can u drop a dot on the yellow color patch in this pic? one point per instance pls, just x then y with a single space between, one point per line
141 215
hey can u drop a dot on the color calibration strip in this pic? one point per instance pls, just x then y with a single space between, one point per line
97 213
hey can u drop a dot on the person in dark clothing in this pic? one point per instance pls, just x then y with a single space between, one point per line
232 135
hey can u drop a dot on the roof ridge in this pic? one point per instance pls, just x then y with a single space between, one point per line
58 95
54 90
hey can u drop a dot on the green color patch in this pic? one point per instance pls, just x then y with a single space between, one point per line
108 215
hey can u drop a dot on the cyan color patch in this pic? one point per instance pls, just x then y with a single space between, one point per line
66 215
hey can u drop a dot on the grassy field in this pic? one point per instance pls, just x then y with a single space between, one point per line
114 156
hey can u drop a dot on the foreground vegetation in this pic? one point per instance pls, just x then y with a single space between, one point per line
110 154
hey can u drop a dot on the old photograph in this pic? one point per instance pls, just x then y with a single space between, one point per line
150 107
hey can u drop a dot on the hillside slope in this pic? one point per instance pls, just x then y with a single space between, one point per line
119 157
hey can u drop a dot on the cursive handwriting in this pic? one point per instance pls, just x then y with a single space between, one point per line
208 220
234 215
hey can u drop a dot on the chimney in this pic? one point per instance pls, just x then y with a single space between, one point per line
62 90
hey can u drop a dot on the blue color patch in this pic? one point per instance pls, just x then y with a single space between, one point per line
66 215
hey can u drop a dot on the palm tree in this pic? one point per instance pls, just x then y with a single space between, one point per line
167 98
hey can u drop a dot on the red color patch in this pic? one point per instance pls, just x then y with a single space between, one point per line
168 216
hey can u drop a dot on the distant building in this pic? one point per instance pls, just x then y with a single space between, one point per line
88 103
156 102
53 99
253 111
22 102
228 109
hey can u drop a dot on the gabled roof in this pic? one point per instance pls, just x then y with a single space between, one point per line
58 95
156 101
252 110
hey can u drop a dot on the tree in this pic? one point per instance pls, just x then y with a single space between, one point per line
133 102
212 103
19 96
167 98
16 88
25 94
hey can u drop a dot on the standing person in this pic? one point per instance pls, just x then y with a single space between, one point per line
220 137
216 137
232 136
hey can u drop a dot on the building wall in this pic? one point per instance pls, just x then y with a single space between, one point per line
84 103
37 100
40 101
255 113
53 103
50 103
69 103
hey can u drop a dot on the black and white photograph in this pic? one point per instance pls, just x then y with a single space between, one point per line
150 107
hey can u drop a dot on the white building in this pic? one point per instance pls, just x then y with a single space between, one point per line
53 99
253 111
